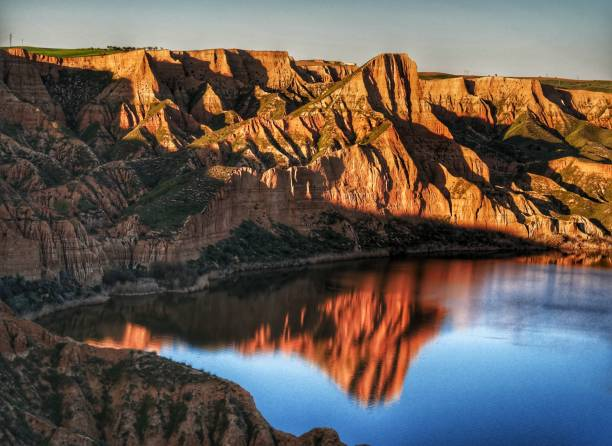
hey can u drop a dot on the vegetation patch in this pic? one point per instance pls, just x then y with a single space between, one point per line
142 417
85 205
272 106
583 135
575 84
533 142
90 132
177 413
25 296
376 132
126 149
250 243
167 206
152 171
217 135
72 88
62 207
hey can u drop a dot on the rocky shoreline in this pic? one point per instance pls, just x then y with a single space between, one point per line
58 391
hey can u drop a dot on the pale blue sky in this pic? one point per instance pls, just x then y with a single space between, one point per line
520 37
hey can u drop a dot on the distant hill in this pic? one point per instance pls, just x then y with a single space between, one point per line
567 84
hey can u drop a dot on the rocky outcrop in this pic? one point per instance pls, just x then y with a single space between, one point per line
61 392
512 97
595 107
326 71
451 98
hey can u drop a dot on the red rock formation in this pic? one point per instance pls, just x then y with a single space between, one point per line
452 96
325 71
134 336
378 142
363 332
596 107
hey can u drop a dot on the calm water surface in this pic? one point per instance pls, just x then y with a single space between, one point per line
425 352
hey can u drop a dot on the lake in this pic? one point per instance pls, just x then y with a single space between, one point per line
392 352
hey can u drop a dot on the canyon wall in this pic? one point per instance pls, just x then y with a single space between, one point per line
137 157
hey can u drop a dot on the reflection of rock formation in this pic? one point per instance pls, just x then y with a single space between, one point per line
364 339
558 258
134 336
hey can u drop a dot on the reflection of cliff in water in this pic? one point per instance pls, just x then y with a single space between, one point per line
361 326
363 338
570 259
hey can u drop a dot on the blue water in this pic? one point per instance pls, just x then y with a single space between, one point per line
500 352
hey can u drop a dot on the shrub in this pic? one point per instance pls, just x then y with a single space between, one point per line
118 275
174 274
142 418
177 414
62 206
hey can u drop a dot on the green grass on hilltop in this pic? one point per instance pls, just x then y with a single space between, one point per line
584 134
573 84
567 84
69 52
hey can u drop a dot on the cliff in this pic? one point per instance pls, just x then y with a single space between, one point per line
128 159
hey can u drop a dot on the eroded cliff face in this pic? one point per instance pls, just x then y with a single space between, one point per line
58 391
144 156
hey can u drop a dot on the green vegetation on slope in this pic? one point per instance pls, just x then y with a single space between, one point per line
375 133
73 88
534 142
588 194
272 106
169 203
251 243
584 133
248 243
24 296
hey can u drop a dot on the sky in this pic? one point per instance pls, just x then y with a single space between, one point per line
507 37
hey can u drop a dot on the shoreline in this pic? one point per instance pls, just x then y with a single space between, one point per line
47 309
206 280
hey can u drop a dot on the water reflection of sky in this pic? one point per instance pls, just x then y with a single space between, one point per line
436 352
